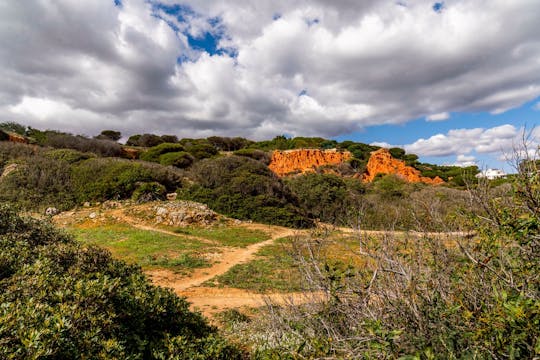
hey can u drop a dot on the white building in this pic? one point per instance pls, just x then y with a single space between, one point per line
491 174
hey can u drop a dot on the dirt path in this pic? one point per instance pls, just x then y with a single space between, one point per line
138 224
213 300
227 259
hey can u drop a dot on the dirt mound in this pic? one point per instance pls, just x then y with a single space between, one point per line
305 160
382 162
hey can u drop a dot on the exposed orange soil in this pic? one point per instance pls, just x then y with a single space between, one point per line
305 160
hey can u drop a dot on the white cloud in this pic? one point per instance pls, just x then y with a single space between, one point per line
499 139
359 63
465 160
438 117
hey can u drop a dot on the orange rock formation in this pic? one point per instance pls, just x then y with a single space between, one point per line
18 138
305 160
382 162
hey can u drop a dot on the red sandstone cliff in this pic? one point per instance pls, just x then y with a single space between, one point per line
305 160
382 162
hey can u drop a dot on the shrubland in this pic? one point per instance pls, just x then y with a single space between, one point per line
244 188
469 295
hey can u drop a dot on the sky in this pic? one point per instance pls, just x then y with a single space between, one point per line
456 81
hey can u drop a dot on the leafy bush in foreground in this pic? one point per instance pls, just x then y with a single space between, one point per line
60 300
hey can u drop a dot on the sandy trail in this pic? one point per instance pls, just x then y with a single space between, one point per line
214 300
227 259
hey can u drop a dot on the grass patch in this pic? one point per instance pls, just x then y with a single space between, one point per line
226 236
273 270
149 249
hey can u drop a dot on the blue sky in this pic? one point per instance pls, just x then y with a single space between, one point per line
453 81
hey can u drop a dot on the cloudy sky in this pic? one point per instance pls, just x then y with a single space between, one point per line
453 81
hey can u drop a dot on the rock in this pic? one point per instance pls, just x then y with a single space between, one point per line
51 211
382 162
183 213
305 160
110 204
86 204
161 211
8 170
92 215
172 196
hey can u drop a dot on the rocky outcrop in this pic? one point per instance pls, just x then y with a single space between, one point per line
9 136
184 213
130 153
382 162
305 160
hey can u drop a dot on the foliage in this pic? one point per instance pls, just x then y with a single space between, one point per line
39 182
63 178
110 135
144 140
326 197
229 144
246 189
155 152
4 136
281 142
13 127
255 154
62 300
202 150
105 179
180 159
68 155
149 191
59 140
422 297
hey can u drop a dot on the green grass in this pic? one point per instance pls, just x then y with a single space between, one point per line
273 270
226 236
149 249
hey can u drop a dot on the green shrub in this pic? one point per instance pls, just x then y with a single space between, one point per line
326 197
3 136
246 189
39 182
202 151
255 154
179 159
71 156
60 300
155 152
105 179
13 127
149 191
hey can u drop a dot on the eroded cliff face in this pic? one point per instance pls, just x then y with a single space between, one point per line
305 160
382 162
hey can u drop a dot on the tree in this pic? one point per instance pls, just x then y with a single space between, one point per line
110 135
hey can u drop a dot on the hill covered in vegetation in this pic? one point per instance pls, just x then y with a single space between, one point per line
231 175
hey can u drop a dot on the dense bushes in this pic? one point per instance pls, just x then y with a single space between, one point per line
155 152
328 198
59 140
64 178
60 300
102 178
245 189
